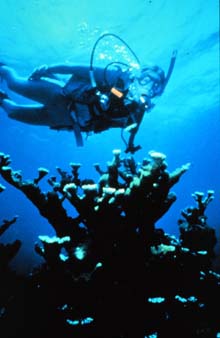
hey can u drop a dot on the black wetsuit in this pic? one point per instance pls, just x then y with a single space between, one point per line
86 108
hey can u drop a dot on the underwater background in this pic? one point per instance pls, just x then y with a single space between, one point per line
185 123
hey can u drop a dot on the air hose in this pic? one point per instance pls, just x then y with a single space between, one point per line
130 147
91 70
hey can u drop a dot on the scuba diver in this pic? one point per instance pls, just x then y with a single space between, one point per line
92 99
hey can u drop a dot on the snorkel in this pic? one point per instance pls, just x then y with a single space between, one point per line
170 69
157 76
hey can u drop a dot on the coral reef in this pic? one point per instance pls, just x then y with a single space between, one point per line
195 233
9 281
7 251
110 272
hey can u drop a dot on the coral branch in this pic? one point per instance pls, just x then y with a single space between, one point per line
140 192
7 251
194 230
6 224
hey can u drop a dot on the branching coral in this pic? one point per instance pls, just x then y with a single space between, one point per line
127 196
195 233
7 251
49 204
51 249
111 255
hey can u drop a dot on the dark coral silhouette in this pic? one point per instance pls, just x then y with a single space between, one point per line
195 233
9 281
7 251
109 272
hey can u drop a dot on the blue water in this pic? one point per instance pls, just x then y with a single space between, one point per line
185 124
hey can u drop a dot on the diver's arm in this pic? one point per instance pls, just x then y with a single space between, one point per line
59 69
80 72
131 148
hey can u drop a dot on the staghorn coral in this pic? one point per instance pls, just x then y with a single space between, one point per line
51 249
124 199
110 272
49 204
196 215
10 250
7 251
195 233
9 281
128 198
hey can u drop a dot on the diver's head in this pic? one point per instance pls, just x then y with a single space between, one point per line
152 80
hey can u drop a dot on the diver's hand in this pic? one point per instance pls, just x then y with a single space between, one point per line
132 149
40 72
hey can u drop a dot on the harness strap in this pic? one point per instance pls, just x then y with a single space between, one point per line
76 130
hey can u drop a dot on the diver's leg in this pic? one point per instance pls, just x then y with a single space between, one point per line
38 90
56 116
32 114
